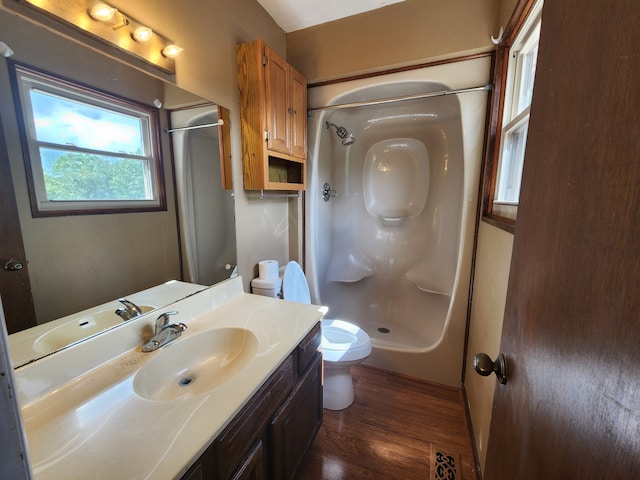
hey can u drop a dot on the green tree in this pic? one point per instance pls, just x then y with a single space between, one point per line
78 176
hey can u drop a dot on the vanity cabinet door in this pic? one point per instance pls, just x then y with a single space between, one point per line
253 466
296 423
307 350
236 441
195 473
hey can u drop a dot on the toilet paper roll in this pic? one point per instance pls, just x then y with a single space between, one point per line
268 269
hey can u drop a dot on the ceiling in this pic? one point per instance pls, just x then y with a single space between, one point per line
292 15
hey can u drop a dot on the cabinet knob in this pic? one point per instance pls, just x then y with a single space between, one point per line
13 265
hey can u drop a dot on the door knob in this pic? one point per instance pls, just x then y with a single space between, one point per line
485 366
12 265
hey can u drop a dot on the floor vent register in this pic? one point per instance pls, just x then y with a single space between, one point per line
444 466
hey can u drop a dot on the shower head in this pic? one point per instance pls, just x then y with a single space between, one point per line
346 137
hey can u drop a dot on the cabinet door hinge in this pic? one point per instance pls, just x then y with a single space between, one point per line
266 135
265 60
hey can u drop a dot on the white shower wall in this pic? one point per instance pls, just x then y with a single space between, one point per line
401 276
207 228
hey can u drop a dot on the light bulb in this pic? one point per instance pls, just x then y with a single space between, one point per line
171 51
102 12
142 34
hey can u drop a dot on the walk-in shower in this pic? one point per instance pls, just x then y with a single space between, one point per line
390 216
207 226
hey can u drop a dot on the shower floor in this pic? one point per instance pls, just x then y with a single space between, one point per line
398 334
414 321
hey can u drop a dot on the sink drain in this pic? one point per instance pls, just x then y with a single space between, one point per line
183 382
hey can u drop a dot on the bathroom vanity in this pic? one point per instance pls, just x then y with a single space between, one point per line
237 395
271 434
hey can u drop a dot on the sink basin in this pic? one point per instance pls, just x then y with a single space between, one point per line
195 365
79 329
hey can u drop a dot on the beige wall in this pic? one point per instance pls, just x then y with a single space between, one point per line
405 33
493 258
506 9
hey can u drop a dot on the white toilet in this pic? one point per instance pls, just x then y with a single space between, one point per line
343 344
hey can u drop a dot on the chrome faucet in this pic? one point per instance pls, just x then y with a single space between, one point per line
129 311
164 333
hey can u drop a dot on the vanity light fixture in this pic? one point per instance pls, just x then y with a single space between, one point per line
171 51
111 25
102 12
142 34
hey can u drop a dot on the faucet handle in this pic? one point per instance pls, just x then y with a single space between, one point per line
129 311
163 320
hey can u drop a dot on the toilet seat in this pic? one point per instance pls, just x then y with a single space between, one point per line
343 341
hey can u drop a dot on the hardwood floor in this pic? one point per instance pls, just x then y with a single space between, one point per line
389 432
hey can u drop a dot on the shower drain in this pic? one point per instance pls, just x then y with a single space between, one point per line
183 382
384 330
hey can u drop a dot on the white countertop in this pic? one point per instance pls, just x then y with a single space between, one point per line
23 344
88 422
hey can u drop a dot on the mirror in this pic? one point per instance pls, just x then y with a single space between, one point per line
78 262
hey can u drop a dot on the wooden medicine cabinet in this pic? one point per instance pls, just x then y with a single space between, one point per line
273 113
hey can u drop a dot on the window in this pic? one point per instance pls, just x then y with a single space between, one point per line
86 151
520 59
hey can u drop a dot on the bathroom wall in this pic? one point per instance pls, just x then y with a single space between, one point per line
405 33
493 258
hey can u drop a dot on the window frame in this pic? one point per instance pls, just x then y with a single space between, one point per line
525 16
76 91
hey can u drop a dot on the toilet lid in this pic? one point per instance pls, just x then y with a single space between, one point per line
294 284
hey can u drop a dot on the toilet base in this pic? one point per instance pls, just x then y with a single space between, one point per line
337 393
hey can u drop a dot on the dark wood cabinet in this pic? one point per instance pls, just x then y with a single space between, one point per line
273 431
253 466
296 423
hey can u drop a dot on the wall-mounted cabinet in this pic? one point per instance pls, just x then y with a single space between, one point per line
273 113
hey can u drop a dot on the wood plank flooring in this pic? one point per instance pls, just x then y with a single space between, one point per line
389 431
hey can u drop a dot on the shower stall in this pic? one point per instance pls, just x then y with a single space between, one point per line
206 211
390 207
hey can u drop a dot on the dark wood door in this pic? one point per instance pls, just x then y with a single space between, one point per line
571 407
15 288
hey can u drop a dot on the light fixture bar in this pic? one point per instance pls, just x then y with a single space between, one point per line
101 20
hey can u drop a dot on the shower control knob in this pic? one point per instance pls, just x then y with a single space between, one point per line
327 193
485 366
